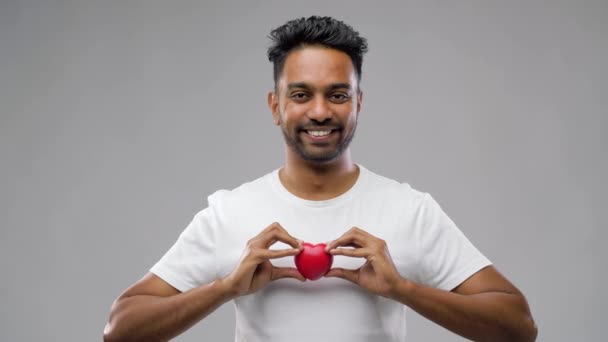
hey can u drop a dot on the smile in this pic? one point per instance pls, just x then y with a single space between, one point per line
320 135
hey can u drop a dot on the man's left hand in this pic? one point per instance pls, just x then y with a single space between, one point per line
378 274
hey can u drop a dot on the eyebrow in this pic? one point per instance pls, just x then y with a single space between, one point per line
333 86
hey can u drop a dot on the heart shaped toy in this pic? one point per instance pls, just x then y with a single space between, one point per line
313 262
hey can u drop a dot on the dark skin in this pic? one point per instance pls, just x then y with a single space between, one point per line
485 307
318 90
153 310
315 92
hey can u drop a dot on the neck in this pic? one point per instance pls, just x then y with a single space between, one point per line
315 181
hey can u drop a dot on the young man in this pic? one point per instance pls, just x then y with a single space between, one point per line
393 246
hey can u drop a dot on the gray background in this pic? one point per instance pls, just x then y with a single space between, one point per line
118 118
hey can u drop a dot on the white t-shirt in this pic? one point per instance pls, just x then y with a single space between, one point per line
425 244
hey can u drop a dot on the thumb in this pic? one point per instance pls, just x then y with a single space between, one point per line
338 272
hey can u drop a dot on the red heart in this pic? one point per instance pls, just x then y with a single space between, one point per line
313 262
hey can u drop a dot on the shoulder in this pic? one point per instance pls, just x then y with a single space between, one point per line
249 192
395 190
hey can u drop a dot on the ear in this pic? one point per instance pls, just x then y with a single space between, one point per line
273 105
359 100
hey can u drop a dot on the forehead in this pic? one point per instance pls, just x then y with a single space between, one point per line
317 66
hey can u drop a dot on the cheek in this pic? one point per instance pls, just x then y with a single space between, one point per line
347 112
292 112
292 108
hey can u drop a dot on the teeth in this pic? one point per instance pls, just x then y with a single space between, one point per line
318 133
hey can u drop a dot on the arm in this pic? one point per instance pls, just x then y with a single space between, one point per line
485 307
153 310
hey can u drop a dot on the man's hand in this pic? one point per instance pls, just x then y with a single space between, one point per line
378 275
254 269
485 307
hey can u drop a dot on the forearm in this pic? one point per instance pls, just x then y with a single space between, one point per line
153 318
489 316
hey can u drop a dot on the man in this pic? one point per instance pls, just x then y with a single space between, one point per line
393 246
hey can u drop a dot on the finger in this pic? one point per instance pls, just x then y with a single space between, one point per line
350 239
280 253
328 247
338 272
351 252
275 232
286 272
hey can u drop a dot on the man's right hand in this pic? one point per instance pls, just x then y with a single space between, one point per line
254 269
153 310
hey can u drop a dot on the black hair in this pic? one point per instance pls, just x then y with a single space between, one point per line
315 30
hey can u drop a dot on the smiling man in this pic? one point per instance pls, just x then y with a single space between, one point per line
320 84
393 246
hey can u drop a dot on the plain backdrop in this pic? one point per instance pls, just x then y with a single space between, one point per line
119 118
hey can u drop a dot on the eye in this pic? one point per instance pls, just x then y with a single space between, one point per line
339 97
299 96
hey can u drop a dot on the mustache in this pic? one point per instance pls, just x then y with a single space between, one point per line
320 128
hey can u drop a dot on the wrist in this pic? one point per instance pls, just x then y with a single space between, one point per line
402 290
226 288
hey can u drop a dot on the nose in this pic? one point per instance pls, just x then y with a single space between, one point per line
320 110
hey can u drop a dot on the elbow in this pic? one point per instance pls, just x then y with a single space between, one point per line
521 329
526 332
111 334
108 334
110 331
115 331
532 330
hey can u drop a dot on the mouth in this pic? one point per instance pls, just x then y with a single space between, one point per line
320 135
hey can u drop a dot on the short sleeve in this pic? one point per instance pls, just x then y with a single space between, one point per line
190 262
447 256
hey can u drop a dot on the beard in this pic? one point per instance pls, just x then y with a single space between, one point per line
318 155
